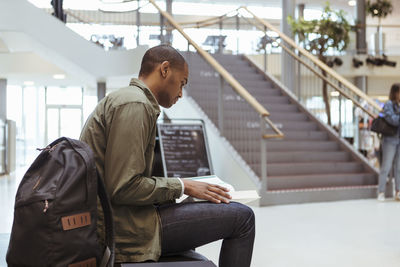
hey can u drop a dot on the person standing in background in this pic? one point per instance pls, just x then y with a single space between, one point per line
391 144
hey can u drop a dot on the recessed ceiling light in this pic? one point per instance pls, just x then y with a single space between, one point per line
352 3
59 76
29 83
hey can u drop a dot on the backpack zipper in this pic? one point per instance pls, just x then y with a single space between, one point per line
48 148
46 205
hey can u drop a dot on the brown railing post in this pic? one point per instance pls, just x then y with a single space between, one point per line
263 158
221 105
265 49
237 29
138 24
161 29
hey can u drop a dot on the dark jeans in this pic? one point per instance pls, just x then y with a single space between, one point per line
189 225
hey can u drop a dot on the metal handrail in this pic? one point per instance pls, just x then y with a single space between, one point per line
306 54
337 88
319 63
224 73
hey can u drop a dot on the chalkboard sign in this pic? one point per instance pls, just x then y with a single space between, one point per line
184 150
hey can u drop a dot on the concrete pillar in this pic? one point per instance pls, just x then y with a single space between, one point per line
11 144
138 24
3 115
101 90
300 10
361 39
298 89
162 22
288 67
3 99
361 82
168 35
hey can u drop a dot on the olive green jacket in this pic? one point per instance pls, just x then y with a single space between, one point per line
121 132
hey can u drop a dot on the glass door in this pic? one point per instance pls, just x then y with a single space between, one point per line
63 121
64 113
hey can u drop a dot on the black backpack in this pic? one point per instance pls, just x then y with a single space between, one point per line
55 212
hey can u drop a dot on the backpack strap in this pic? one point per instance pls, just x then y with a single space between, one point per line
108 257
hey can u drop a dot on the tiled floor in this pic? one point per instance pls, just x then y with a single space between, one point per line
362 233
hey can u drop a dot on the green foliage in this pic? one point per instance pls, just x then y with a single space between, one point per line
330 31
379 8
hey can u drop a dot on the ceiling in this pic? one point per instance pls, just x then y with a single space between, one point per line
42 68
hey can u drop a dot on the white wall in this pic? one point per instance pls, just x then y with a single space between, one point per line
25 28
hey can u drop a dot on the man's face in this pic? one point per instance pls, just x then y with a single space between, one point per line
173 84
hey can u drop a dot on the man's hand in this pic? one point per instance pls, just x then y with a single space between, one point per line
210 192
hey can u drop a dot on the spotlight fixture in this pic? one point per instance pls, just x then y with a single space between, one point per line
388 62
336 61
377 61
374 61
357 63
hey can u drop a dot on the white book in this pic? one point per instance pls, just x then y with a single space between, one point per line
243 196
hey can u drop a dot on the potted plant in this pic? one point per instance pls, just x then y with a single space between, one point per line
380 9
331 31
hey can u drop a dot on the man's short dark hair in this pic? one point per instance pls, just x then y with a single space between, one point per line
394 91
159 54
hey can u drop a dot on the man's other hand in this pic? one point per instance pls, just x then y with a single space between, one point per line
210 192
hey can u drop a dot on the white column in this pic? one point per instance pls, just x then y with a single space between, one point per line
101 90
288 67
3 99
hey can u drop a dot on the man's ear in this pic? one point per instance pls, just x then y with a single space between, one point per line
164 69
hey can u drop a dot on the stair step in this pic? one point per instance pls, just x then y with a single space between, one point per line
281 145
248 76
288 116
277 107
296 196
305 135
286 169
254 125
283 118
307 156
289 136
304 166
233 98
297 156
320 180
212 87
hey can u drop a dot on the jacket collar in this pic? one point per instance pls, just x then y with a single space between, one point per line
138 83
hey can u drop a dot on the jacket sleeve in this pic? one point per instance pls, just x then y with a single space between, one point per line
125 160
390 115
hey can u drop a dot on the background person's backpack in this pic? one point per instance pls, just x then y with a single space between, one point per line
55 212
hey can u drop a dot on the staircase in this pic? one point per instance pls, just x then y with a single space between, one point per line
310 164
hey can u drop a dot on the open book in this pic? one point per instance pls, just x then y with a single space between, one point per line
244 196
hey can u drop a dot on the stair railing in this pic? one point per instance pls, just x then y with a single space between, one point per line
265 123
351 109
309 69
